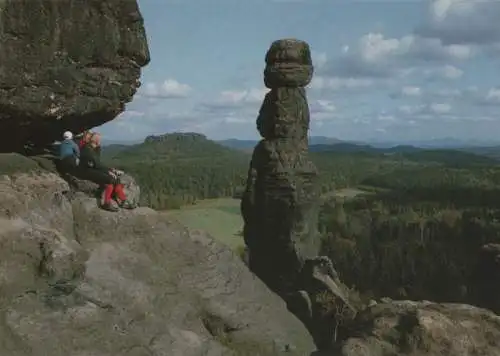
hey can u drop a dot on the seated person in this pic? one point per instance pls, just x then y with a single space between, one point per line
90 168
69 154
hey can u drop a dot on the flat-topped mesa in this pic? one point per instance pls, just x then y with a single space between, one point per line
280 206
66 65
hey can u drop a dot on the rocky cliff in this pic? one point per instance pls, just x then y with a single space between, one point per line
77 280
66 64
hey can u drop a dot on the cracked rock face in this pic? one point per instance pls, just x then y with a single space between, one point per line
280 204
66 65
77 280
281 201
408 328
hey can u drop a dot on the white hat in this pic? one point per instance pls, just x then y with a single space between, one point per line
67 135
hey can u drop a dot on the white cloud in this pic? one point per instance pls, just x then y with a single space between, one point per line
322 109
132 113
235 120
411 91
408 109
376 56
373 47
169 89
385 117
424 110
440 108
407 91
326 105
451 72
319 59
335 83
461 22
242 96
234 103
493 94
448 93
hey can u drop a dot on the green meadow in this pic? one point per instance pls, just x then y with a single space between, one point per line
221 218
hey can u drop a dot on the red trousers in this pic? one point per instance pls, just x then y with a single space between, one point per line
111 189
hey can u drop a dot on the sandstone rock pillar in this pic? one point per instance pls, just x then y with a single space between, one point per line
280 205
281 202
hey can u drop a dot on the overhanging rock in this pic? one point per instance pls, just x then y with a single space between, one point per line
66 65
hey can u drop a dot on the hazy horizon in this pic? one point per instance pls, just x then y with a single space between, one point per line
402 71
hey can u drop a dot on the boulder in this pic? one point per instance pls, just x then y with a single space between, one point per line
398 328
78 280
66 65
91 189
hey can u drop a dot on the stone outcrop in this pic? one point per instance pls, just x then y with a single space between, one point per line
280 206
281 202
66 64
77 280
399 328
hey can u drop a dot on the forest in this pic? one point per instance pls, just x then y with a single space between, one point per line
413 233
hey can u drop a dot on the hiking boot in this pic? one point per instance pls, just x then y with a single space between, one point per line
126 205
109 207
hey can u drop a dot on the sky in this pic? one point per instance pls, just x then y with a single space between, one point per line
384 70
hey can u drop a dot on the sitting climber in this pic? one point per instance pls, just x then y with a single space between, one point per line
69 154
91 168
84 138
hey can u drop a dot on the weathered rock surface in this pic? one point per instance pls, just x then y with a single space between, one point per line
77 280
66 64
131 188
281 203
409 328
280 206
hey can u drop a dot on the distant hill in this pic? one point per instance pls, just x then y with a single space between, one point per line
438 143
113 149
238 144
355 147
491 151
443 143
250 144
488 148
105 142
179 168
448 157
323 140
196 147
172 146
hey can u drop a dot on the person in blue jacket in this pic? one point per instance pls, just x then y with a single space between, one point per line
69 153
